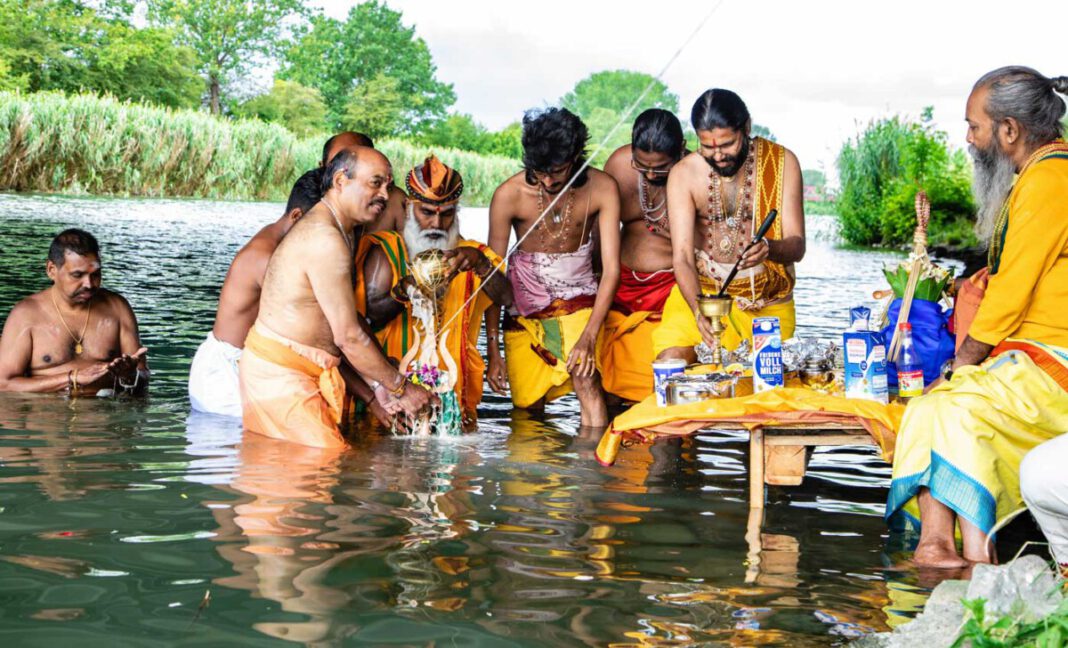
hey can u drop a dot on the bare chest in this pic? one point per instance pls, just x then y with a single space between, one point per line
55 344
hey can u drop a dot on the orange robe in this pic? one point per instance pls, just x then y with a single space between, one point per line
397 336
290 391
627 337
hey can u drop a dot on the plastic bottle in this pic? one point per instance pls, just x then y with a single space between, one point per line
909 365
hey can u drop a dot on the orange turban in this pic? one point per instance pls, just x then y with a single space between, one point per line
434 183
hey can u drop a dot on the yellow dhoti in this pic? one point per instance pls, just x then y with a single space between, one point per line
679 326
627 354
536 352
965 439
290 391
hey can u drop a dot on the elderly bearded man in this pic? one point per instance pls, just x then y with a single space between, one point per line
717 198
382 261
553 328
73 336
293 383
641 169
960 446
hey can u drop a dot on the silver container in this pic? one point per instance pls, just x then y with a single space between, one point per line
692 389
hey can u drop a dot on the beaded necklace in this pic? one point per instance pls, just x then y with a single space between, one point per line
653 215
560 219
728 227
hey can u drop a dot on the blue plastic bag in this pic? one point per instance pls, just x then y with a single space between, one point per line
930 334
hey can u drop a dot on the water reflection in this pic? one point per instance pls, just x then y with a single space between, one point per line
115 518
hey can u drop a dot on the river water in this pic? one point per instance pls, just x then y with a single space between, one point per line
137 523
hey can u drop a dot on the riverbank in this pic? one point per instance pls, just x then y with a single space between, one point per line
85 144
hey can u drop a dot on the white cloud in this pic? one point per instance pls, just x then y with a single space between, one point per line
810 71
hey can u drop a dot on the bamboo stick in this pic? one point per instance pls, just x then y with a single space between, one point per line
919 253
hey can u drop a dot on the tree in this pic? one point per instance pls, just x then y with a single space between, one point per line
814 177
228 36
602 98
66 45
759 130
508 142
335 57
299 108
375 107
459 131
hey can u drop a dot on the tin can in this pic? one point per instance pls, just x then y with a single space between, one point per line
662 369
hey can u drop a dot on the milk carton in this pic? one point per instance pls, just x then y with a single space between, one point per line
767 354
865 360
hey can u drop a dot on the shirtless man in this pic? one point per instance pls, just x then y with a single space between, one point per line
213 375
717 198
559 305
73 336
291 383
641 169
393 218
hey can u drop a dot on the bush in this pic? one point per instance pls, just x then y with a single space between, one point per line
881 171
52 142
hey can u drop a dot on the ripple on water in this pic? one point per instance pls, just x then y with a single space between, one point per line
116 517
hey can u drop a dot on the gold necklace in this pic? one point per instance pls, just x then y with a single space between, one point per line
337 222
560 220
77 340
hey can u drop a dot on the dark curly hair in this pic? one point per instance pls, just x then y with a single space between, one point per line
551 138
306 192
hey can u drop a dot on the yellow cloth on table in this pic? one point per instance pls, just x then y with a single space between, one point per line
290 391
1027 289
627 354
537 353
647 421
964 440
679 326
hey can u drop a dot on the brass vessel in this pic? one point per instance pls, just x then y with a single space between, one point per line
714 309
430 269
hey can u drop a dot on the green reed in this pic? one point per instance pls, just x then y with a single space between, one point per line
86 144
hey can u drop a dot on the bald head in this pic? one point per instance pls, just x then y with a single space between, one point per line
341 141
356 182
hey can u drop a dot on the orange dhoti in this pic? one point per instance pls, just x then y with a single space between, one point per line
627 355
291 391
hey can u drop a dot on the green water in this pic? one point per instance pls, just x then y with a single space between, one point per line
117 518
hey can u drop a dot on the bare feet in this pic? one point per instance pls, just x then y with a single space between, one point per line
939 555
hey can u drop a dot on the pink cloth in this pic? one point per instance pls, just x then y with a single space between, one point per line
539 278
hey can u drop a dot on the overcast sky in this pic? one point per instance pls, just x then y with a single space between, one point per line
812 72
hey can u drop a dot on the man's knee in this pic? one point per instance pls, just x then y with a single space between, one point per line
1043 480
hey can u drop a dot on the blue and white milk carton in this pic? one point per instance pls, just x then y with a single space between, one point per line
767 354
865 359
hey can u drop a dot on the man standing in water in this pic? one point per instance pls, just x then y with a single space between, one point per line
73 336
641 169
552 330
383 262
291 385
213 383
393 218
717 198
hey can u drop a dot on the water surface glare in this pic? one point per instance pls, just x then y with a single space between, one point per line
139 523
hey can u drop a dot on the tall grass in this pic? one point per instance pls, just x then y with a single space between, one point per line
51 142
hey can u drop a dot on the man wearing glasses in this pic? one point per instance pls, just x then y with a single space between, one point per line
641 169
553 326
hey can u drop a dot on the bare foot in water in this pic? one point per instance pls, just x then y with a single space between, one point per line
938 555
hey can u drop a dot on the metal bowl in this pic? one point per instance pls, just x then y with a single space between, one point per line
691 389
430 269
712 306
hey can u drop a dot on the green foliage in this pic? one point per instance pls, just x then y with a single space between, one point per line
338 56
300 109
881 171
1010 631
814 177
459 131
88 144
759 130
508 142
66 45
375 107
602 98
228 36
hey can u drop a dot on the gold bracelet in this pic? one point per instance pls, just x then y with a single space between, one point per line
400 388
74 379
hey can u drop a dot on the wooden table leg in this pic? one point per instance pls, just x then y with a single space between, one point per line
756 468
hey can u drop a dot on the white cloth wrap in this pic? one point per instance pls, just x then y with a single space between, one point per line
213 378
1044 485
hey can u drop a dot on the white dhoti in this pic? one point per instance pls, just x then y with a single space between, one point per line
213 378
1044 486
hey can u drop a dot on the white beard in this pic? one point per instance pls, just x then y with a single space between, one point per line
419 240
993 172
